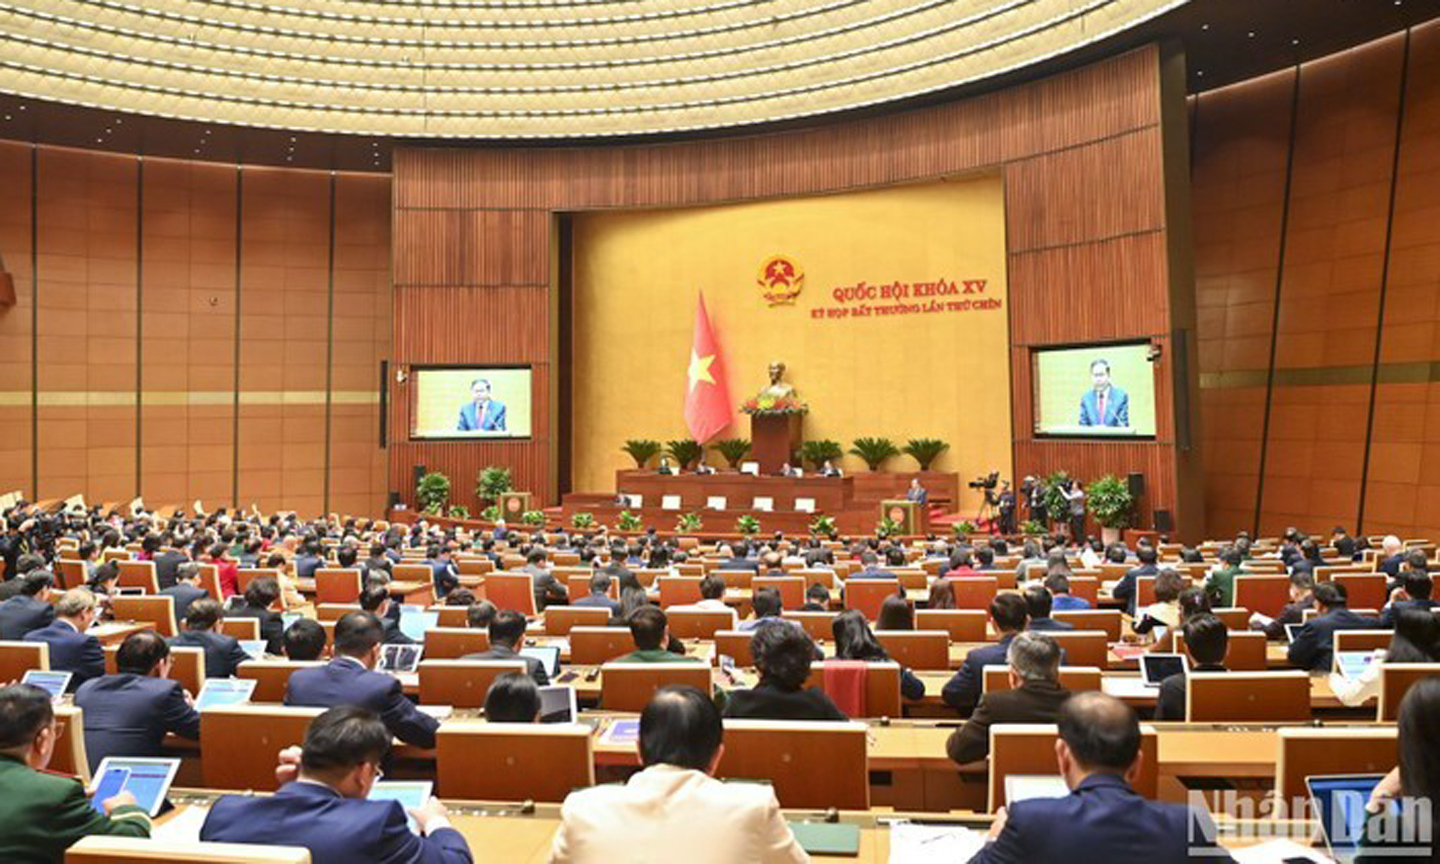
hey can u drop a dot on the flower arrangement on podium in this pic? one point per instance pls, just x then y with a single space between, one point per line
766 405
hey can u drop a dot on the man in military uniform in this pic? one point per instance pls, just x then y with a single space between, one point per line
43 813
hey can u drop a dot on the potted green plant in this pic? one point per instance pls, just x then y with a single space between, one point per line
642 450
1032 527
432 492
582 521
964 528
824 526
628 521
492 482
491 513
1109 499
887 527
734 451
686 452
459 511
874 451
925 451
533 518
689 523
817 453
747 525
1057 508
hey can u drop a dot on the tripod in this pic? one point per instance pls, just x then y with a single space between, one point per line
986 513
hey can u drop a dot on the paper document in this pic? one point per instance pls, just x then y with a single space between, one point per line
923 844
183 827
1277 852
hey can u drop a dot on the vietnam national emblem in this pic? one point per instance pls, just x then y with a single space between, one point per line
780 280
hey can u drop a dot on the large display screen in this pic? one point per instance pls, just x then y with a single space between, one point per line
470 403
1095 391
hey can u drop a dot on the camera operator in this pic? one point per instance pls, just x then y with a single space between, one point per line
1005 503
1075 494
1034 491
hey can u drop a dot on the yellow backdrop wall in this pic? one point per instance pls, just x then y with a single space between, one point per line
932 362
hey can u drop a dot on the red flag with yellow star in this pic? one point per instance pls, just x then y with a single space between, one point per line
707 398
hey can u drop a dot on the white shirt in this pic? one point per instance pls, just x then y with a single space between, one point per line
670 814
708 606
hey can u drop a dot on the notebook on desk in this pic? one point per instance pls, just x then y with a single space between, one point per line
827 838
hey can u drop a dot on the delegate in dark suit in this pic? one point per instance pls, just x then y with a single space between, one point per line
1102 819
962 691
21 614
223 654
184 595
1314 643
1170 703
336 830
272 626
346 681
533 666
71 651
493 420
768 701
599 601
166 566
1387 615
1125 589
129 715
1035 702
1117 408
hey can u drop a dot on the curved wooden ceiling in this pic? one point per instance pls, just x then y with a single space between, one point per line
527 68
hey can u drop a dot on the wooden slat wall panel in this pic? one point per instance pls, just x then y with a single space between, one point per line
16 443
1316 389
1080 152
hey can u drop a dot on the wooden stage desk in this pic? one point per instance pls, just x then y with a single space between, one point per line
500 832
830 494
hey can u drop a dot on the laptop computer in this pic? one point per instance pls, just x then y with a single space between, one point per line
558 704
410 793
288 618
400 658
1023 787
1291 630
1338 801
415 620
217 692
1155 668
147 779
253 647
54 683
548 655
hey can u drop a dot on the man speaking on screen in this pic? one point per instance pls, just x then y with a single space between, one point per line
1104 404
481 414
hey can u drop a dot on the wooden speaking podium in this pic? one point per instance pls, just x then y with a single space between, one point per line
774 439
910 515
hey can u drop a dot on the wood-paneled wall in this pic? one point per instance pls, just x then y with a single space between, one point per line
1318 254
191 330
1083 155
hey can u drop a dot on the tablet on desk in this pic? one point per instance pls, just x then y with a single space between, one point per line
558 704
411 794
147 779
1352 664
288 618
255 648
1291 631
1339 800
1155 668
548 655
54 683
218 692
1023 787
415 620
400 658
